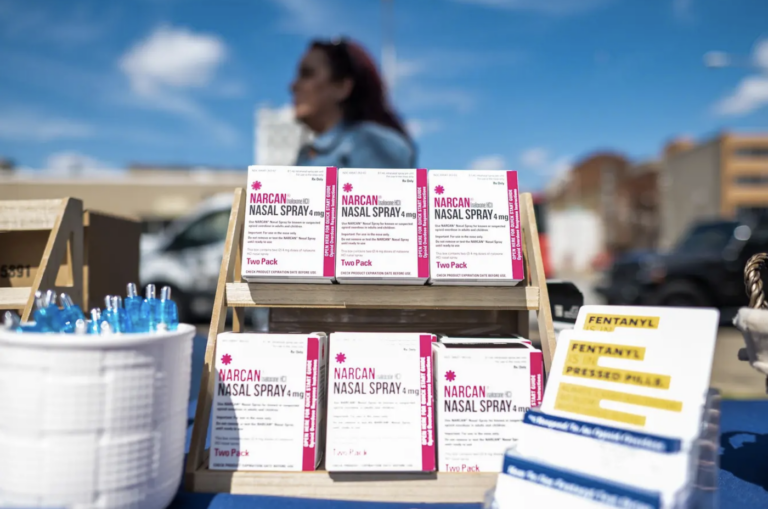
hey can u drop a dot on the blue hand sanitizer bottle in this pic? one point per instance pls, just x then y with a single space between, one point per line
107 312
71 313
94 325
150 310
119 319
47 316
12 322
169 312
133 307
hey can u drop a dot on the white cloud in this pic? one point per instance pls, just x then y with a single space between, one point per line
760 54
72 25
229 89
534 157
750 95
682 9
167 66
491 162
311 18
68 163
553 7
752 92
173 58
23 125
421 98
542 163
419 128
560 166
407 68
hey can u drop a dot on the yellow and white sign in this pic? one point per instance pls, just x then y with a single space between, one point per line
638 367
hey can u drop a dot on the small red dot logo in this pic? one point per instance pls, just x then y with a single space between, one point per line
347 187
226 359
439 190
450 376
256 185
340 358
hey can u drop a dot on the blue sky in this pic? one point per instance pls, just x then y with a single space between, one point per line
531 85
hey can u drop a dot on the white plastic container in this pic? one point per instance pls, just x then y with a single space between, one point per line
93 422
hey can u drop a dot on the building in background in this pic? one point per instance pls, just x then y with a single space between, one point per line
724 177
278 136
639 206
6 165
585 212
153 194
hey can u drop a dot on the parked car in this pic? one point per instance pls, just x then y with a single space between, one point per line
705 269
187 256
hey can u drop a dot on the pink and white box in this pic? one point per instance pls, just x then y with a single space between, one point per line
269 402
290 224
382 226
483 392
474 228
380 403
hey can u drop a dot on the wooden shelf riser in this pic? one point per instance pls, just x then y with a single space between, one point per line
381 296
231 292
413 488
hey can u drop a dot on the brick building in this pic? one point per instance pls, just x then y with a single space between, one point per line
595 184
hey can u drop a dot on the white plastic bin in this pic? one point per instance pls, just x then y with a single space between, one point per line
93 422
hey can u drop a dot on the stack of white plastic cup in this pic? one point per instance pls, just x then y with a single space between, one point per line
93 421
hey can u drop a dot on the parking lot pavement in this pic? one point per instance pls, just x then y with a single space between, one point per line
735 378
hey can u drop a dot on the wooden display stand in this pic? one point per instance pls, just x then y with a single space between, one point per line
20 224
231 292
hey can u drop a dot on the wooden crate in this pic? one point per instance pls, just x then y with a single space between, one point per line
110 255
232 292
41 248
106 246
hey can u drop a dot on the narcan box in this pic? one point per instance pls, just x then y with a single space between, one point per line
474 228
383 229
290 225
269 402
380 403
482 393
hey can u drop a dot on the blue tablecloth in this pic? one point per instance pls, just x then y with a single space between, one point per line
743 480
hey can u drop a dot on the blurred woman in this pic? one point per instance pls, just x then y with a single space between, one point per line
339 95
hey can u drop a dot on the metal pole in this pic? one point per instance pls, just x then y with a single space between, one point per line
388 56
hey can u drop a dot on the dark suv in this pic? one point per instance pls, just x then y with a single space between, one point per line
704 270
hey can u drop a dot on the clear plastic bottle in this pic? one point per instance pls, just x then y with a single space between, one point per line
48 316
169 312
71 312
150 310
132 305
94 325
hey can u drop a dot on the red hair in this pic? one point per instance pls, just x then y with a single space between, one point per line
368 99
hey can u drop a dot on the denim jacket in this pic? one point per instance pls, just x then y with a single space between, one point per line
360 145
